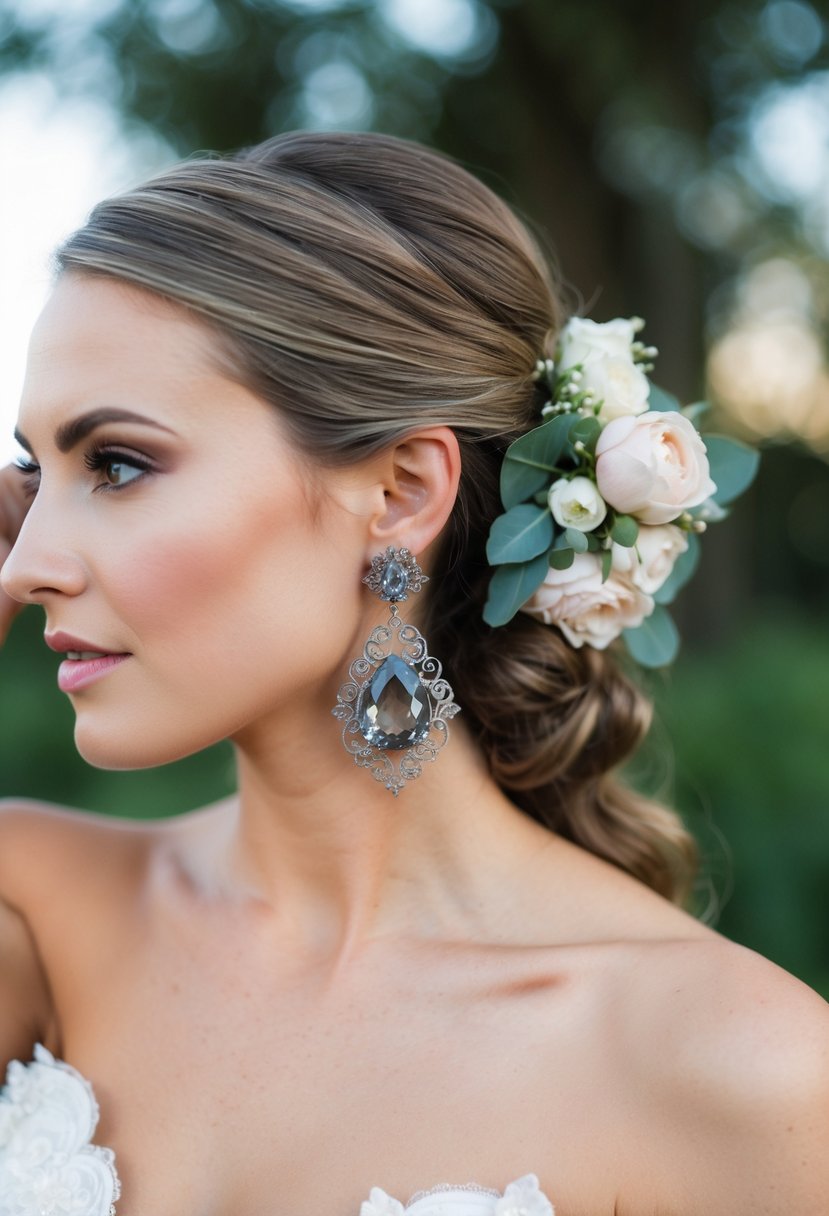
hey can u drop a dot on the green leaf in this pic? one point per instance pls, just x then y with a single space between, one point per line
562 559
521 534
695 412
662 401
541 447
733 466
655 642
531 459
593 542
684 567
576 539
511 586
607 562
625 531
520 482
709 511
586 430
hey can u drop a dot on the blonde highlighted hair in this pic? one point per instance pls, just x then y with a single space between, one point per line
366 286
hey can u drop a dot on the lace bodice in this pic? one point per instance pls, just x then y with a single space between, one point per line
50 1167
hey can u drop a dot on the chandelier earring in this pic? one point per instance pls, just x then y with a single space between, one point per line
396 699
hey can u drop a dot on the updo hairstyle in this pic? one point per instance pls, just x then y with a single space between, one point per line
366 286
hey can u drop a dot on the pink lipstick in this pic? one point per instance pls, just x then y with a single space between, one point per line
86 661
77 673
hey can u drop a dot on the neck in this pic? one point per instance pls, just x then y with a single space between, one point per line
337 859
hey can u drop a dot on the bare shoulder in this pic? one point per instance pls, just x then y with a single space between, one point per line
72 886
734 1055
45 848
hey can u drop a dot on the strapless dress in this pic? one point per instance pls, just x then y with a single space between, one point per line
50 1167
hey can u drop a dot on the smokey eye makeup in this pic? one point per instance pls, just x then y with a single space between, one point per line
98 456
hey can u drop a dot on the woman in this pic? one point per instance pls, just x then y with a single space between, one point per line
328 993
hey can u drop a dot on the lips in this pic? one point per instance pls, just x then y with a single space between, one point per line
74 674
62 642
89 661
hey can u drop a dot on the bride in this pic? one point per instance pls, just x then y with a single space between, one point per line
422 956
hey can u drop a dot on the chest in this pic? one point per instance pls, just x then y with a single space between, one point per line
276 1093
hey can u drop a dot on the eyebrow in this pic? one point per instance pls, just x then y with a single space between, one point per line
69 434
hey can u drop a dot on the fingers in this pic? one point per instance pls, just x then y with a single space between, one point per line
13 507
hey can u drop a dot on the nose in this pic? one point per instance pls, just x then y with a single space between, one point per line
42 562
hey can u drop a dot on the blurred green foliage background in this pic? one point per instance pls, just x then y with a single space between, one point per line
677 159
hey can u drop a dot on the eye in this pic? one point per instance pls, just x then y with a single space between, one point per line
31 476
116 467
116 472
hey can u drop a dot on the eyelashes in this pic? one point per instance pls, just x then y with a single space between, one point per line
100 457
97 457
30 482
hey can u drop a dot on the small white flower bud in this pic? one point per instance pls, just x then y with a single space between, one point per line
576 503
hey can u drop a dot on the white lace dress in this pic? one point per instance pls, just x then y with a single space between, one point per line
50 1167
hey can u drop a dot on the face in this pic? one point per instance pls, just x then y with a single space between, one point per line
198 546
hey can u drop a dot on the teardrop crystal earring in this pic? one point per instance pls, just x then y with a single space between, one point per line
395 702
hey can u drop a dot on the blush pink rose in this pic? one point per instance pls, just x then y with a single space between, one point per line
649 563
584 608
653 466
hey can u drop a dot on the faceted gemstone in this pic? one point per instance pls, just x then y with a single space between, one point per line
394 709
395 580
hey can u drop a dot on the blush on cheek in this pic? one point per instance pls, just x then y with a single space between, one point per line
228 625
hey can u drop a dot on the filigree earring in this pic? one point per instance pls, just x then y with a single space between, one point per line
395 702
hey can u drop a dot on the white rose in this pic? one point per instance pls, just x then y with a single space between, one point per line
584 608
582 338
649 563
653 466
576 503
618 383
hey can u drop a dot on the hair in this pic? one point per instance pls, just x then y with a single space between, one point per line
366 286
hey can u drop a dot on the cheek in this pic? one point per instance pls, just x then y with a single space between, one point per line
230 615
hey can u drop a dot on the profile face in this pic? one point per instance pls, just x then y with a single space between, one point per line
199 547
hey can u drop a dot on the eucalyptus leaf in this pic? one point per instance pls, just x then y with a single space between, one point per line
561 559
625 530
655 642
587 431
733 466
520 482
684 568
659 399
607 562
696 411
542 446
576 539
511 586
709 511
521 534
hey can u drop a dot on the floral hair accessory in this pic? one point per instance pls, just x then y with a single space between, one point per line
605 500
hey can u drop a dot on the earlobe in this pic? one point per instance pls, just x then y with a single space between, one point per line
420 482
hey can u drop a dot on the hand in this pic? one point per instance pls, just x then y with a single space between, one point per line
13 508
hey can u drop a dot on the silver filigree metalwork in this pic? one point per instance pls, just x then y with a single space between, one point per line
396 698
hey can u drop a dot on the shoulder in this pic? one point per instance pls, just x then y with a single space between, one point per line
736 1052
45 847
54 856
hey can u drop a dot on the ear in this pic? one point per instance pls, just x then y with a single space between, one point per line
418 478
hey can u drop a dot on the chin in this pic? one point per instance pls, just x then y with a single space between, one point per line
129 749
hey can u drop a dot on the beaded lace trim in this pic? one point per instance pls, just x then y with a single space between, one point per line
48 1163
521 1198
444 1188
